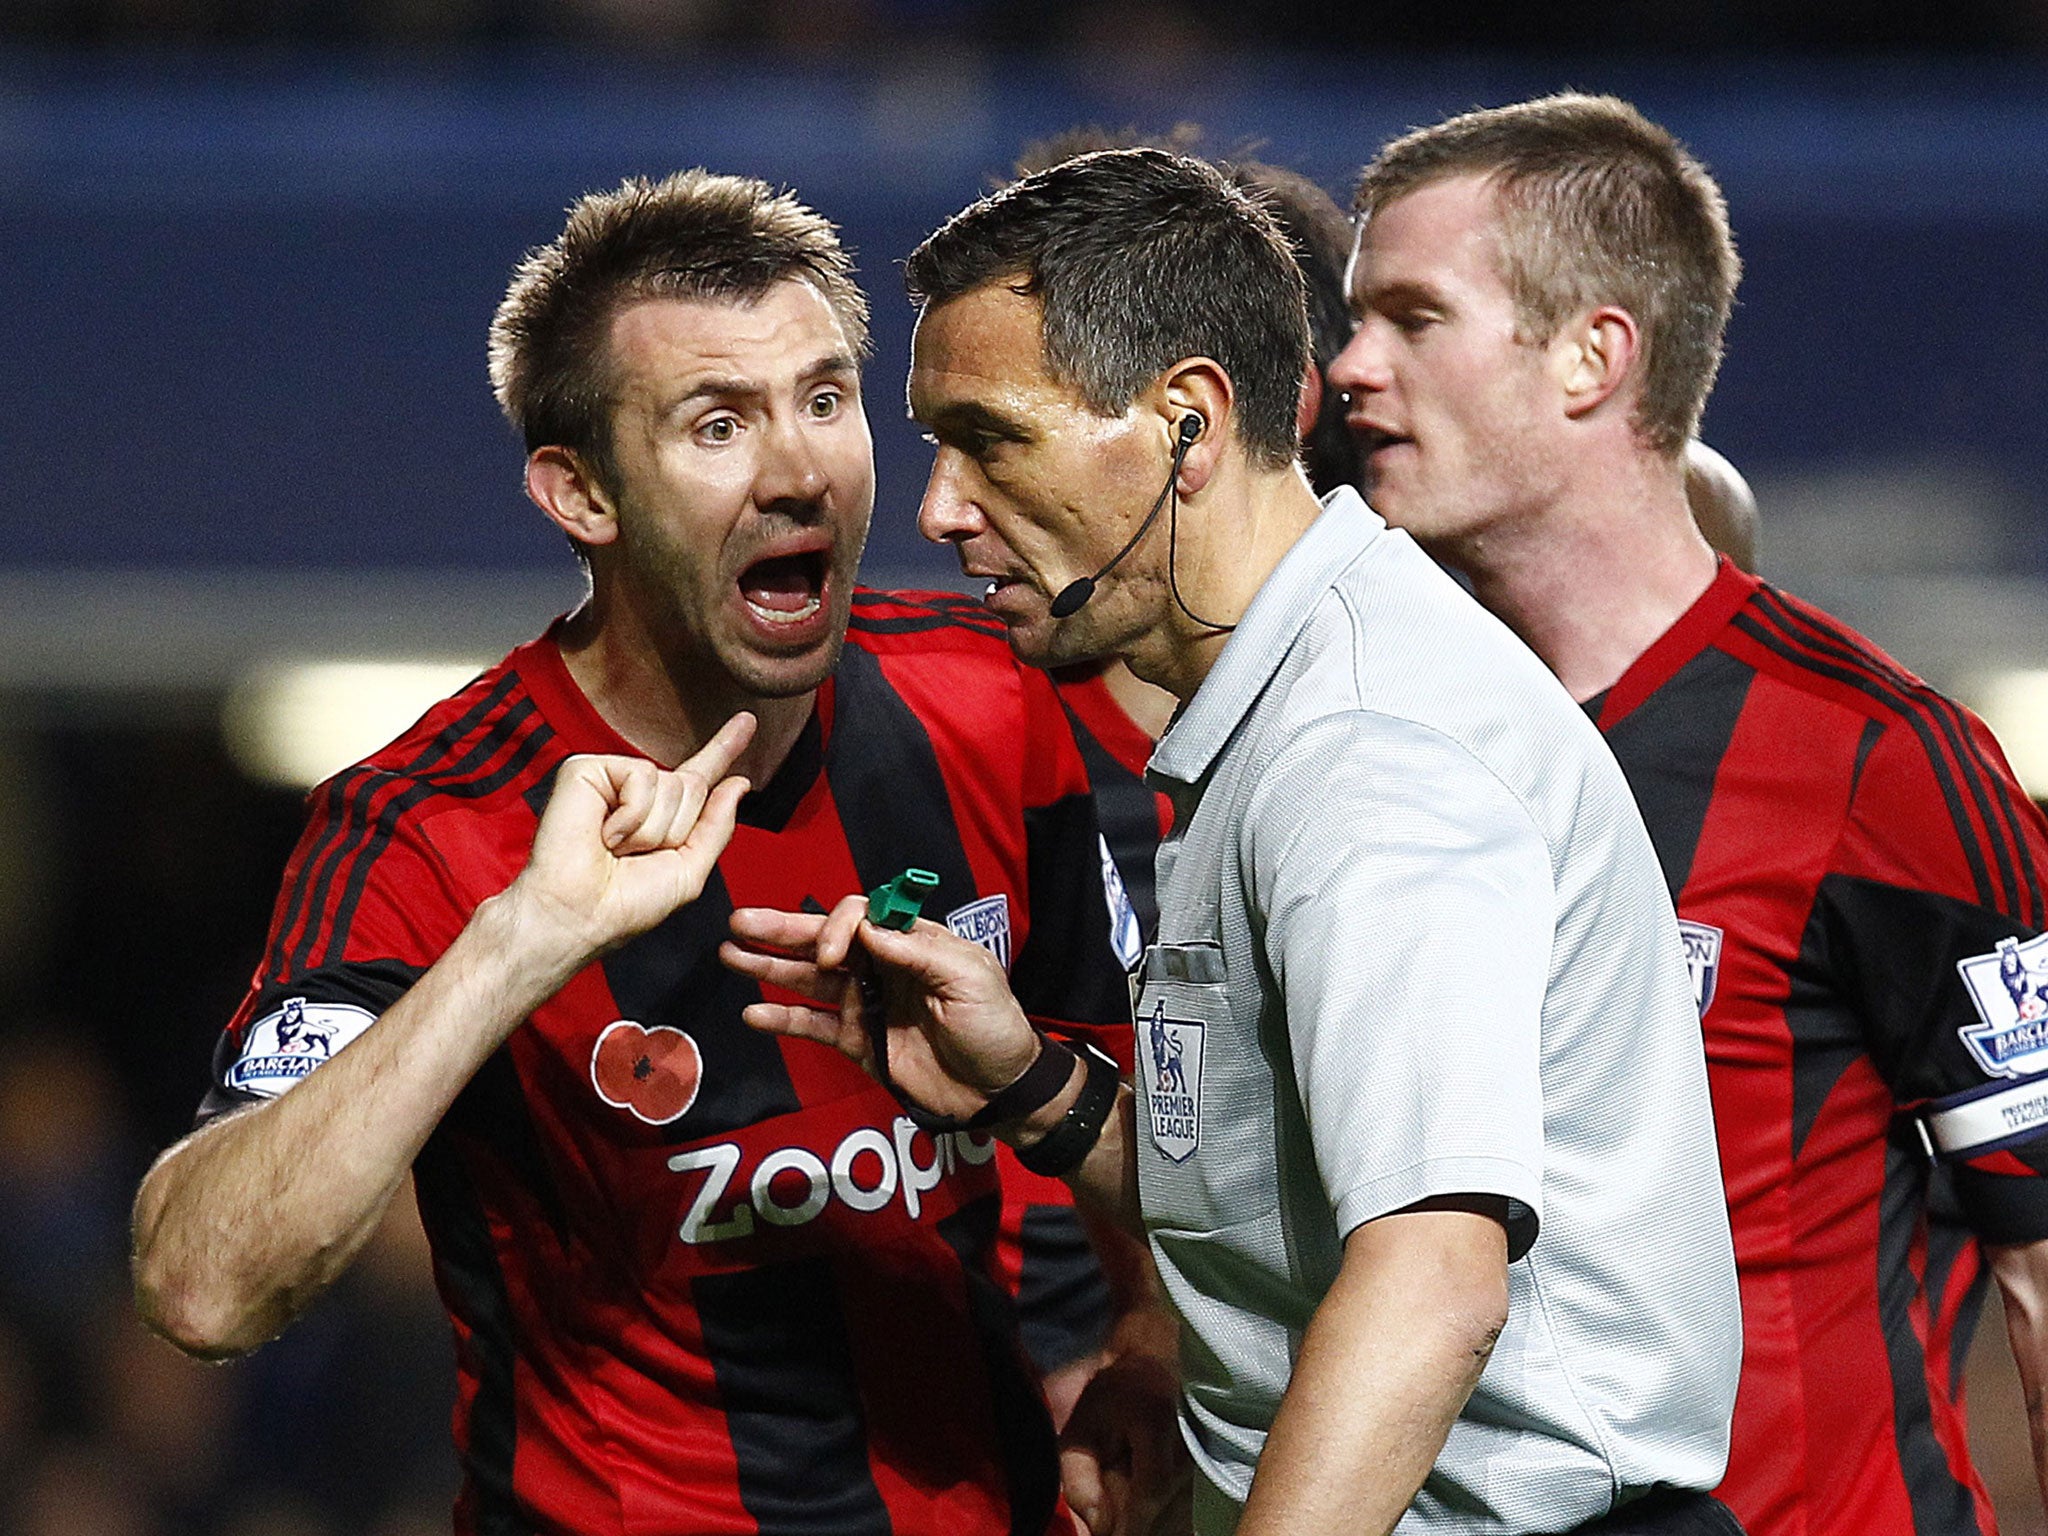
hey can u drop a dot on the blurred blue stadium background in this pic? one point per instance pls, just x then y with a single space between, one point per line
247 302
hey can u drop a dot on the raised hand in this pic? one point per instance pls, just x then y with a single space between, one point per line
625 842
956 1035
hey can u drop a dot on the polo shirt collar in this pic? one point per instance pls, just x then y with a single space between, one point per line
1253 653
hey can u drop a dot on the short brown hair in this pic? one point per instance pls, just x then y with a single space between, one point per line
1139 258
1317 229
692 235
1598 205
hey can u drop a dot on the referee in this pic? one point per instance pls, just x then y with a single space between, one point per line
1419 1133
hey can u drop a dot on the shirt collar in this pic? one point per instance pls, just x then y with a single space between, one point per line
1685 639
1252 654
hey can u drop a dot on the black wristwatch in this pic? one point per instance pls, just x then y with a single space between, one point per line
1038 1085
1067 1144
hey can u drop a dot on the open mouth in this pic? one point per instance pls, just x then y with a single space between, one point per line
785 589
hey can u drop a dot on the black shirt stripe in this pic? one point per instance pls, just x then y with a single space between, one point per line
1023 1427
777 1338
1941 1504
671 975
880 758
466 1262
1670 749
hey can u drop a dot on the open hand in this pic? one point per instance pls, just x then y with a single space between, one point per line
956 1035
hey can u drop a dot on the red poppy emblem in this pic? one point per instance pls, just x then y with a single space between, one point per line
652 1072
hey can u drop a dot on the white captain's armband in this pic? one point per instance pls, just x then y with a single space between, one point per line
1985 1119
285 1046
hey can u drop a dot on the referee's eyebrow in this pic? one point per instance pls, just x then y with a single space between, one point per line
971 419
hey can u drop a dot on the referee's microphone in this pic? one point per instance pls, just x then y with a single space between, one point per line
1069 600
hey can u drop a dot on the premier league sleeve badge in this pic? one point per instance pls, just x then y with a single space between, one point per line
2010 989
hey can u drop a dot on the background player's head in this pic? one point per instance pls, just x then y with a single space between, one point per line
1071 323
684 365
1722 504
1320 233
1530 279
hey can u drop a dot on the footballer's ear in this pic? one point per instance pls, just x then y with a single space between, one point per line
562 485
1595 356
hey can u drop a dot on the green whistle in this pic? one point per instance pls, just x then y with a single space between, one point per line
897 904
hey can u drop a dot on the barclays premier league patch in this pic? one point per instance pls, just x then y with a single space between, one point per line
1171 1050
284 1046
1702 960
985 922
2010 988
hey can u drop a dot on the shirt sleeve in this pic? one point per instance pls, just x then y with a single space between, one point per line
367 904
1931 922
1408 909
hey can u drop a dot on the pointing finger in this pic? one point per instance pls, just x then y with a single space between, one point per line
711 831
714 760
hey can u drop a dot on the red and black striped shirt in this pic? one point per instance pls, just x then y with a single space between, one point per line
1838 837
703 1279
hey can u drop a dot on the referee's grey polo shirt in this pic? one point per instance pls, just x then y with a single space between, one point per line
1414 941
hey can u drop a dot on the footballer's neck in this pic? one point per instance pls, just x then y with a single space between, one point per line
660 703
1592 579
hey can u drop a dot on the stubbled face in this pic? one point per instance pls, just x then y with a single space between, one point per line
745 482
1456 418
1032 487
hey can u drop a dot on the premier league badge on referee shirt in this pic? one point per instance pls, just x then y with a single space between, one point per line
2010 988
1173 1088
284 1046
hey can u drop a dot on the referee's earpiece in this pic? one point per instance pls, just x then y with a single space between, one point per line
1192 426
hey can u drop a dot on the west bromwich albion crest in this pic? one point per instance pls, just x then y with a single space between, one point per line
2010 988
987 923
1702 960
1172 1050
285 1046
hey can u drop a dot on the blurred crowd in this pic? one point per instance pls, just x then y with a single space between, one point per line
121 955
850 28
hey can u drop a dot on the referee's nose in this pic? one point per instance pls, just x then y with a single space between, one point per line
949 513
